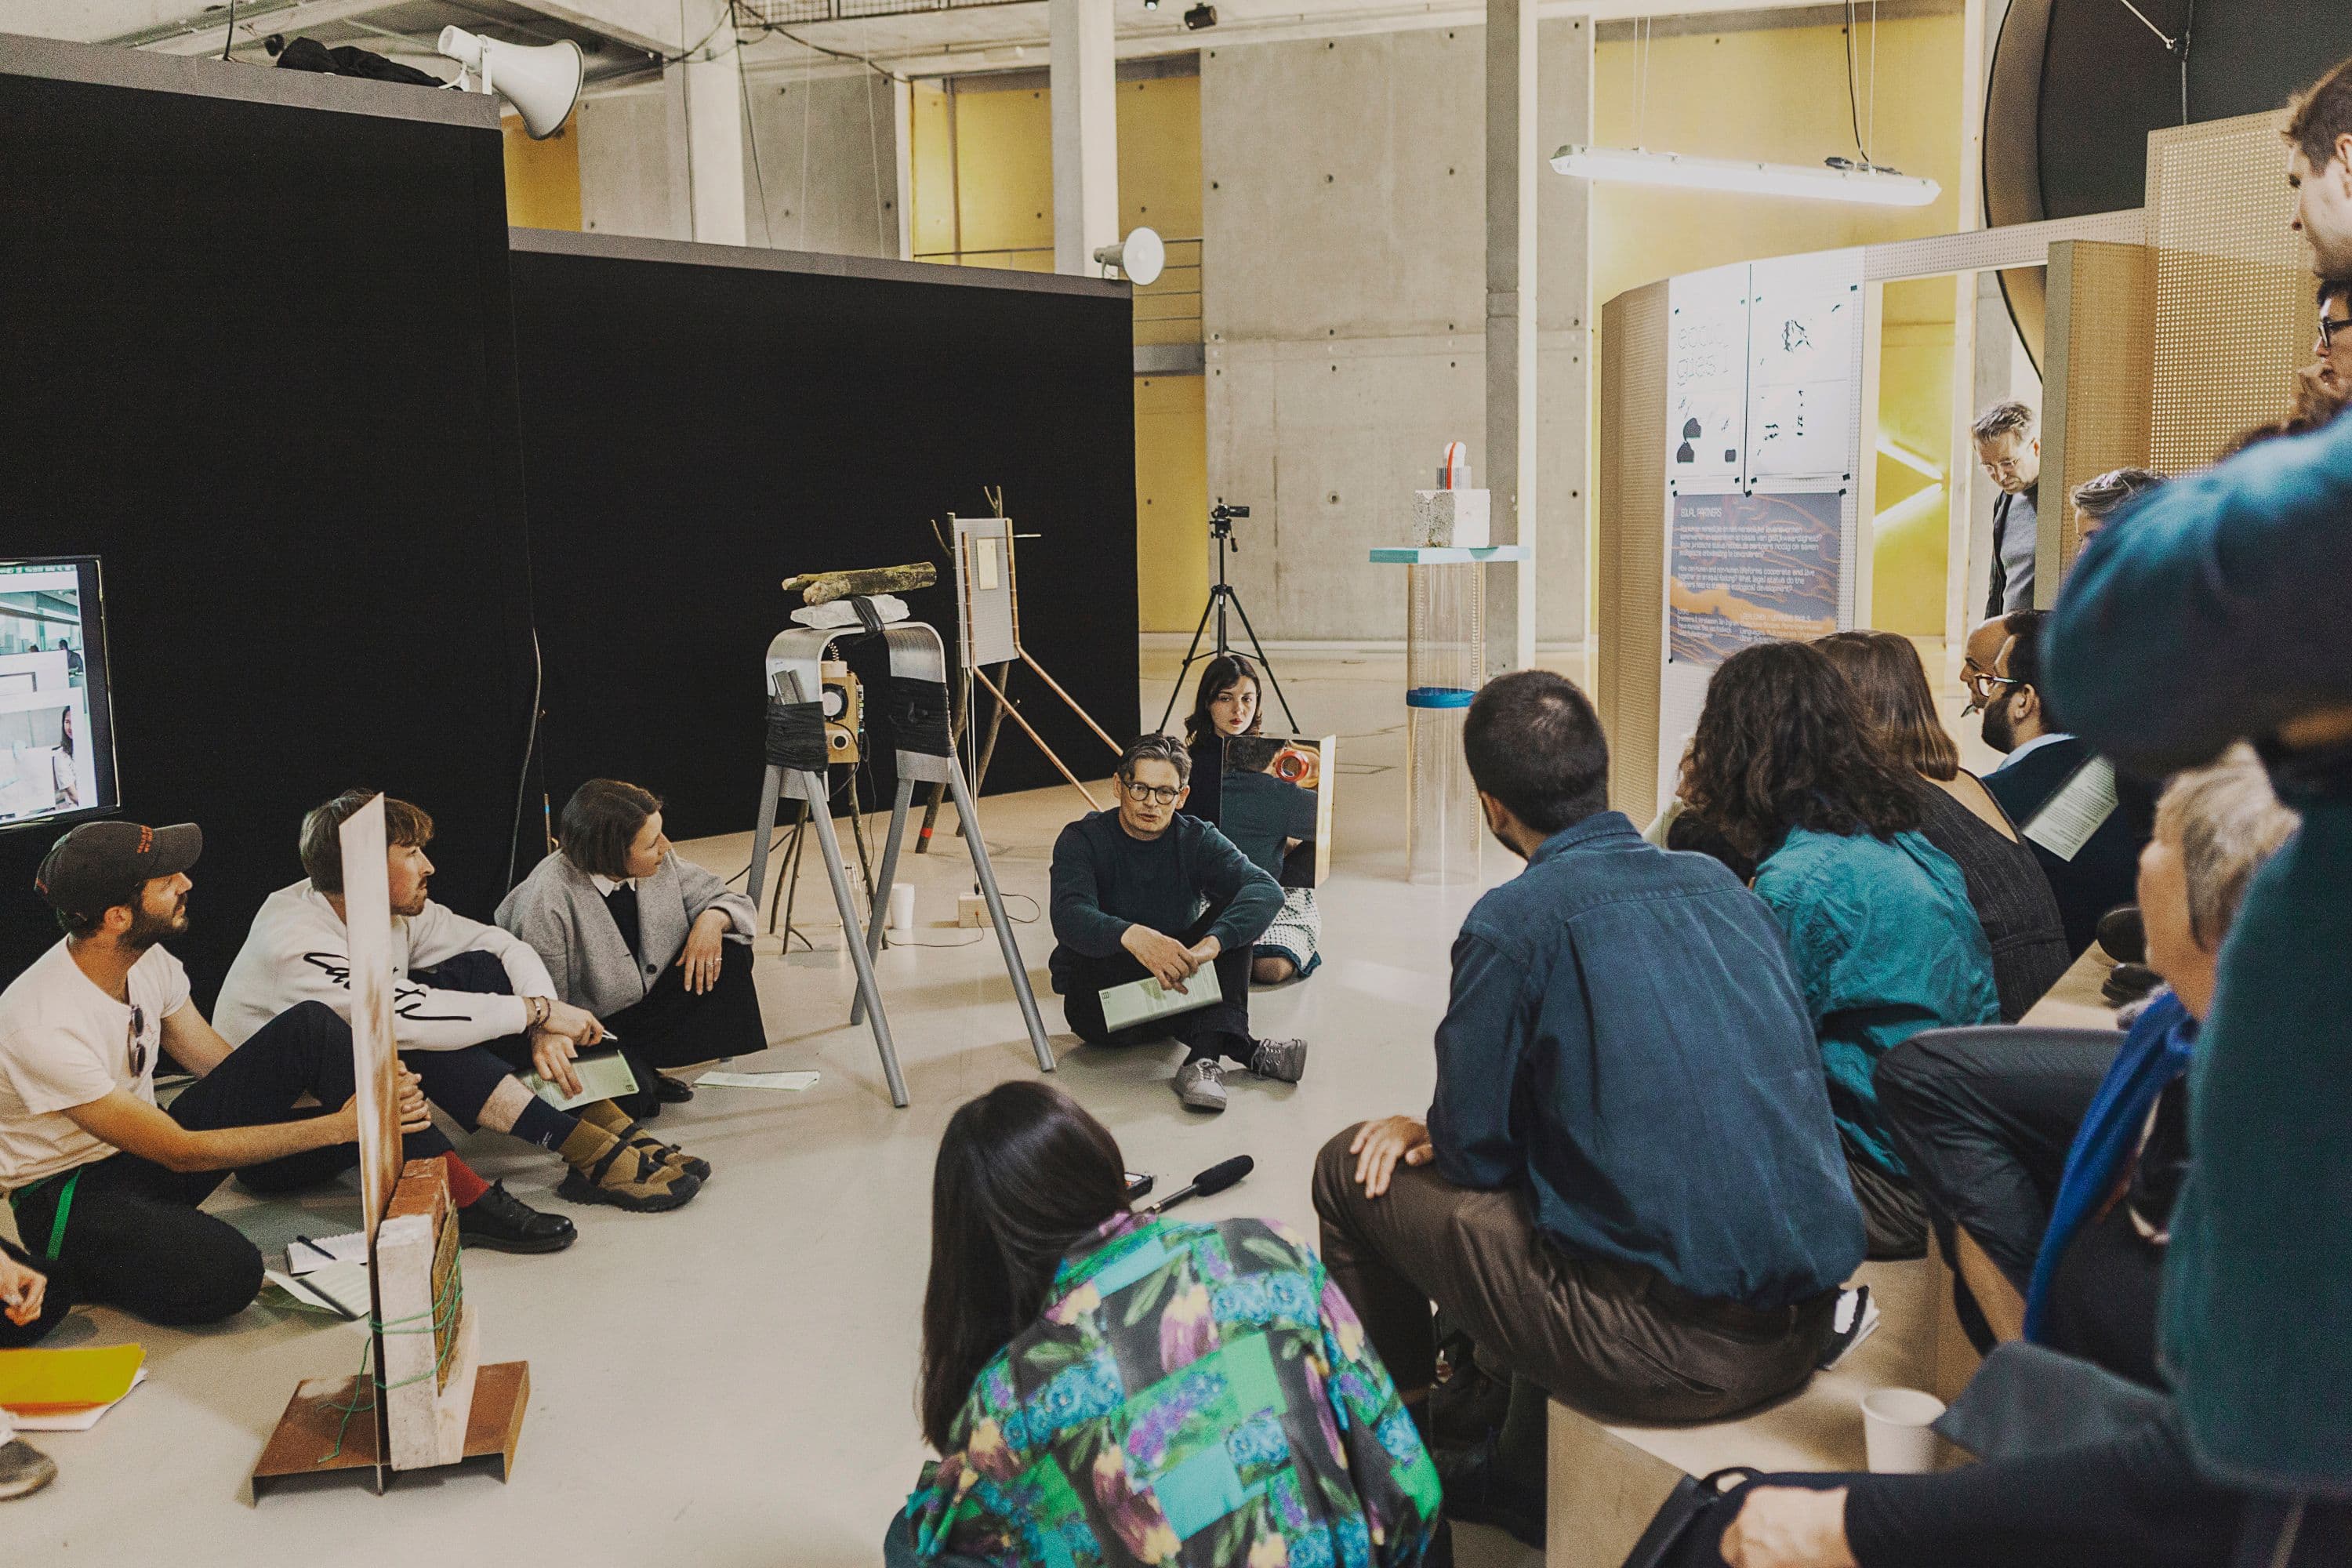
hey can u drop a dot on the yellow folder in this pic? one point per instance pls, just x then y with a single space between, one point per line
52 1380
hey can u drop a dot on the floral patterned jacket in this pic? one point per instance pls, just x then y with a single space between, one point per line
1199 1395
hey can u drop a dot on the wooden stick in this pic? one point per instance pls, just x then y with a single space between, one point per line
1031 660
982 676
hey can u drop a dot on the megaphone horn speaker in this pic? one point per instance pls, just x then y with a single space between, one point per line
1140 256
542 82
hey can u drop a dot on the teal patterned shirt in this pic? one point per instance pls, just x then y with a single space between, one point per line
1191 1394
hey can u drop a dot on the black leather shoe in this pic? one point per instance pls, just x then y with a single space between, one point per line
672 1090
498 1221
1477 1493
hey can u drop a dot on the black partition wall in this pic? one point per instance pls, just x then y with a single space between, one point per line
256 352
700 423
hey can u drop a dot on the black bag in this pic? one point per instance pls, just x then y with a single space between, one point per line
1693 1499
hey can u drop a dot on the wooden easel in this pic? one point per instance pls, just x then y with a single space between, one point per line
427 1404
988 632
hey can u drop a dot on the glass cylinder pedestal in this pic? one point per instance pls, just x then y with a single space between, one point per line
1445 663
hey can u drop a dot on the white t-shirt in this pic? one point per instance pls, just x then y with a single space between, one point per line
64 1042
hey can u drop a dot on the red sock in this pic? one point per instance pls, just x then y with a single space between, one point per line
465 1184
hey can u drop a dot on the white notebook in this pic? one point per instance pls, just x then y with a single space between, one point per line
1139 1000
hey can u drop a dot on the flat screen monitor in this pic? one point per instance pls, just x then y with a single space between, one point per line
57 725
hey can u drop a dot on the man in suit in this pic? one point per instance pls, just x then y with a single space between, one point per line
2088 840
2009 448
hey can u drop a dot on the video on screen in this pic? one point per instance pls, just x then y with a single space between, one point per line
56 741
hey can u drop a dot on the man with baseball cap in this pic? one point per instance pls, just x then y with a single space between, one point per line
105 1186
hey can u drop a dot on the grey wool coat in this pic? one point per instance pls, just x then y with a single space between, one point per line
559 912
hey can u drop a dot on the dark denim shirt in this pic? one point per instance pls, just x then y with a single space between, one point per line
1626 1038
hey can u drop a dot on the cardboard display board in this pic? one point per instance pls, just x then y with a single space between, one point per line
427 1403
367 902
1761 537
984 591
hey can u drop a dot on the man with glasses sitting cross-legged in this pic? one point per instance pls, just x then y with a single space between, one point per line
1144 892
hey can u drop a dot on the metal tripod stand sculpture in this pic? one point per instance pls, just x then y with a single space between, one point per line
796 765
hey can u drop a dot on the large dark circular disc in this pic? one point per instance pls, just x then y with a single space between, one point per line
2075 86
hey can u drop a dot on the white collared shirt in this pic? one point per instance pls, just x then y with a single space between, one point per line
604 885
2032 746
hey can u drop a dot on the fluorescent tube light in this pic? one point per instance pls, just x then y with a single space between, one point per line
1636 165
1890 448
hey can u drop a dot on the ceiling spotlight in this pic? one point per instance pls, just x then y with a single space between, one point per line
1152 4
1200 16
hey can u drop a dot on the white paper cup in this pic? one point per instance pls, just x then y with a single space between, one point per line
1895 1431
902 909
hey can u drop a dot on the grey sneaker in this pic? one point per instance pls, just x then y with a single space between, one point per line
1283 1060
1201 1085
24 1469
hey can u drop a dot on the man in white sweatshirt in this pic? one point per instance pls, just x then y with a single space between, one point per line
471 1005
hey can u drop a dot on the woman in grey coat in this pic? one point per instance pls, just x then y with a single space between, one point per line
658 948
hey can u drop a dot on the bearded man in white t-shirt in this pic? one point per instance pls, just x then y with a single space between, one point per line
106 1186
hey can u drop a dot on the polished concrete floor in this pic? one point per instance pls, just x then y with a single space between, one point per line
733 1384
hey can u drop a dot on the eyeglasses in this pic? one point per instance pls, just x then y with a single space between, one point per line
1982 688
1158 795
2328 328
137 1043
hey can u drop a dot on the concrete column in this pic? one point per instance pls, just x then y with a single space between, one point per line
1084 74
704 96
1513 159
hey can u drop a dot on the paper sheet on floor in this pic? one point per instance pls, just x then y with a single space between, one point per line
46 1381
80 1420
308 1254
797 1082
336 1291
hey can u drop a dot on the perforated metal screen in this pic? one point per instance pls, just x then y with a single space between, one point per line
2234 313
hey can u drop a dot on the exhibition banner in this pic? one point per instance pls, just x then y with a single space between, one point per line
1745 569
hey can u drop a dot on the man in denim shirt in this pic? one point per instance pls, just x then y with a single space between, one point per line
1628 1190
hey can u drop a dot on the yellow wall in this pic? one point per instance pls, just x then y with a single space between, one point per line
1779 95
1171 502
1914 414
983 171
543 177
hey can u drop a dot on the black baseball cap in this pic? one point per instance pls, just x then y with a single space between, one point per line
101 864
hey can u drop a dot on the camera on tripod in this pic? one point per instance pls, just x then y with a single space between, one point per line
1222 595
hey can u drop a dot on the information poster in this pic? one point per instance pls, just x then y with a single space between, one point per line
1803 339
1746 569
1706 378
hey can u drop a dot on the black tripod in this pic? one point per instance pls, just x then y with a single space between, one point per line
1220 592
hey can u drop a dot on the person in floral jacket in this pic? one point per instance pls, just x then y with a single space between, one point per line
1106 1388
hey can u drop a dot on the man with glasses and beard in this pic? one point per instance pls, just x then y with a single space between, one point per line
1145 891
2087 826
106 1186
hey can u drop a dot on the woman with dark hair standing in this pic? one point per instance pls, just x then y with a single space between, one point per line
1786 764
657 948
1055 1326
1959 817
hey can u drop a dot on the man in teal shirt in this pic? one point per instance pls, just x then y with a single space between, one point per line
2218 608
